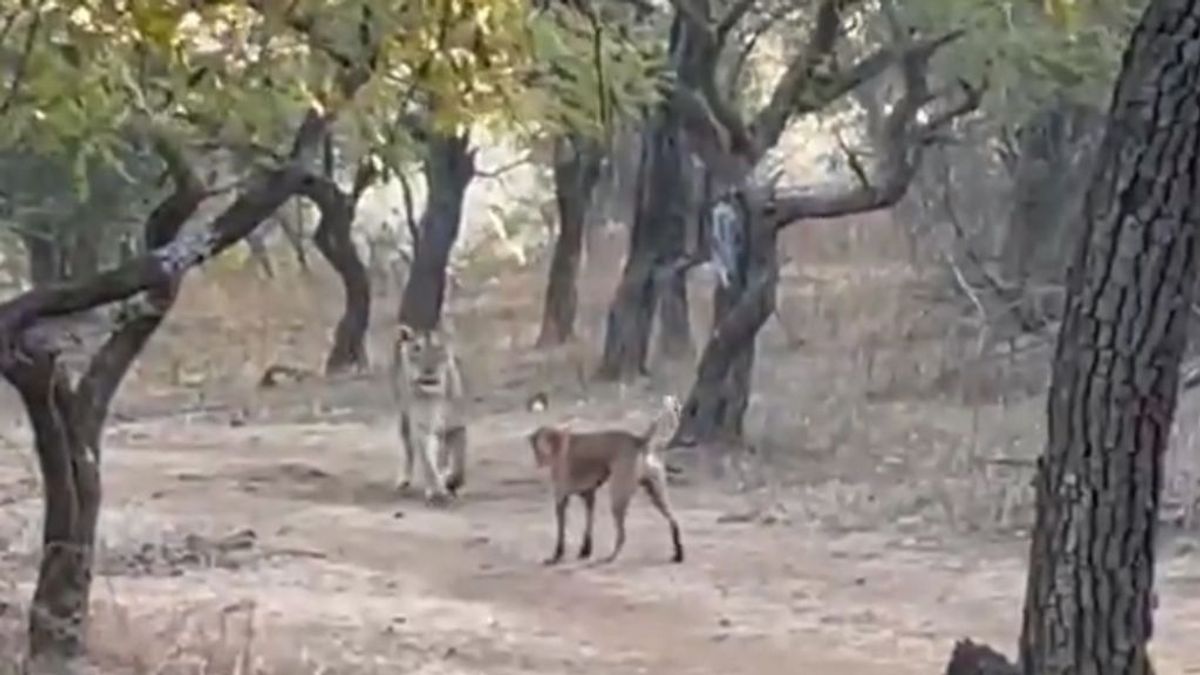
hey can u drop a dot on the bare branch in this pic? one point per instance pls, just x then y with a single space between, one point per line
503 168
903 141
773 118
108 367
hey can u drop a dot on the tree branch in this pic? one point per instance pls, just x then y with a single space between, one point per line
503 168
750 41
108 367
168 262
770 122
410 213
730 21
903 142
695 17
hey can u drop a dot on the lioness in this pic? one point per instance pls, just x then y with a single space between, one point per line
428 391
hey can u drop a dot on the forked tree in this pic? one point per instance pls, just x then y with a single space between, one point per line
664 207
68 417
1090 592
752 213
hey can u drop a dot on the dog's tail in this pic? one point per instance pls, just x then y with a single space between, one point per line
669 413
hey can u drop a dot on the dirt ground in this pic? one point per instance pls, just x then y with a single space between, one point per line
258 532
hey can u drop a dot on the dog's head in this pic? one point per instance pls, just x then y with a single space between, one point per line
547 444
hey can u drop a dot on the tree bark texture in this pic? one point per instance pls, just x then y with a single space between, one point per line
67 423
449 168
576 171
1089 599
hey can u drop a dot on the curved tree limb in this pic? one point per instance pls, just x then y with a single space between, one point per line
904 140
167 263
68 421
333 239
797 78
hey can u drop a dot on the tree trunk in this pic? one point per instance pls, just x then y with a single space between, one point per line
665 207
82 254
660 217
1049 179
71 481
333 240
1089 599
449 167
716 405
43 259
576 170
335 243
67 424
674 316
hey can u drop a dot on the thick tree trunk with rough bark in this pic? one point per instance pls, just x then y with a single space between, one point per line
1090 592
1089 600
69 466
449 168
576 170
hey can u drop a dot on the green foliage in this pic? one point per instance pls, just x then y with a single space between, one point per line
81 76
596 73
1032 52
38 199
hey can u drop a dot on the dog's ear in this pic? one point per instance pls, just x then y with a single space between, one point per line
547 444
404 333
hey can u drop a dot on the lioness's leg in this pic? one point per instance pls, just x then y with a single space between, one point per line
453 457
404 475
435 483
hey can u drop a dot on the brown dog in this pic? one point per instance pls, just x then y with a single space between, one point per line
581 462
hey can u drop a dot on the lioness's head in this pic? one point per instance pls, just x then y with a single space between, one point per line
424 357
